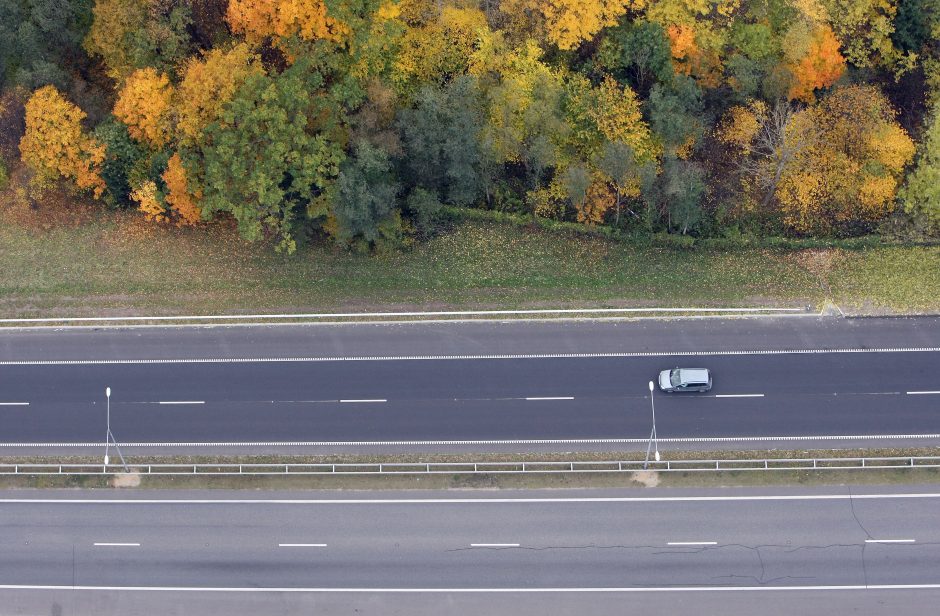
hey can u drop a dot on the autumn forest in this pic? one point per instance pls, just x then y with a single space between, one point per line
358 122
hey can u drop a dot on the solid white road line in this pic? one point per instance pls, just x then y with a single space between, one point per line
375 400
739 395
301 545
922 393
494 545
889 541
254 360
552 398
117 545
441 313
558 441
527 589
691 543
182 402
463 501
14 403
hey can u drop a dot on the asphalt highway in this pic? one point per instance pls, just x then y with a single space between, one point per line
380 544
473 397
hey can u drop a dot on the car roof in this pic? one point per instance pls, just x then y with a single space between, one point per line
693 375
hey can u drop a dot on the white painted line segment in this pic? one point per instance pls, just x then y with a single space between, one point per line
182 402
739 395
494 545
464 501
552 398
254 360
14 403
117 545
889 541
367 401
691 543
527 589
922 393
301 545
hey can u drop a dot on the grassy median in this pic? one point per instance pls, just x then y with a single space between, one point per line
86 262
650 479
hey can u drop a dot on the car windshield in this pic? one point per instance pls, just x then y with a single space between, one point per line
674 378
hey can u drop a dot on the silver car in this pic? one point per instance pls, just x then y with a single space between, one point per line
685 379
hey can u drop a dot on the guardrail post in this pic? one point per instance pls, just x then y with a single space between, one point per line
427 468
60 469
814 462
523 467
474 467
863 462
380 468
334 469
765 465
912 462
571 466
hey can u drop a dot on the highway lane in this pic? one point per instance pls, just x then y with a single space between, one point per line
871 393
426 542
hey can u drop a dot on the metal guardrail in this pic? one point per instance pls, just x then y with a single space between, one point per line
475 468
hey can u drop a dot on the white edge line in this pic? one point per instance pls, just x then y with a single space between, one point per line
14 403
181 402
301 545
250 360
346 315
890 541
527 590
551 398
494 545
739 395
919 393
687 543
464 501
583 441
117 545
373 400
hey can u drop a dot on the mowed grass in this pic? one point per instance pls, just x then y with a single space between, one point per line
86 262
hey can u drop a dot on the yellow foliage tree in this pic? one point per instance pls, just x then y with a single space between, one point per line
148 201
850 173
260 19
439 50
619 118
183 202
208 84
144 105
568 23
55 145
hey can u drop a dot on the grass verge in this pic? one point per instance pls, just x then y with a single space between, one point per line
84 262
493 481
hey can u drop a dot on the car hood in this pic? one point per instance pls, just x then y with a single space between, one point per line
664 380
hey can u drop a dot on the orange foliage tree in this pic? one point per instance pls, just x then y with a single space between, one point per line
814 61
55 145
183 202
144 105
308 19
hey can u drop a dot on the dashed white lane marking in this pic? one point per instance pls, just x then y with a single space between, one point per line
366 401
739 395
921 393
551 398
526 589
301 545
691 543
889 541
182 402
577 441
14 403
252 360
116 545
494 545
